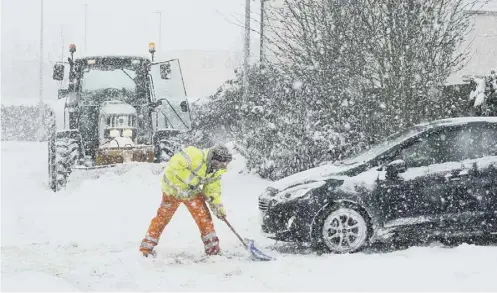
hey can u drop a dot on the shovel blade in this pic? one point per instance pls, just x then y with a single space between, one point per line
256 253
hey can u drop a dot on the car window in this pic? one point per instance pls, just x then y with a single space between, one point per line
427 150
452 145
466 144
485 142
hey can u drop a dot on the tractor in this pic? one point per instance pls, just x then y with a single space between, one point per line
115 110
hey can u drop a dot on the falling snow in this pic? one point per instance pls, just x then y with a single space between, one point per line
336 121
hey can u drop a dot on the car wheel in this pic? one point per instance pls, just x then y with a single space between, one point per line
344 230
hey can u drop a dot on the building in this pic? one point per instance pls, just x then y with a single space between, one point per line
481 43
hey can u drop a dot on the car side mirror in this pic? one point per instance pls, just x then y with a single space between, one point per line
394 168
58 72
184 106
165 71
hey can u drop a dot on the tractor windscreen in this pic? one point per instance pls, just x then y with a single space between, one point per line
111 79
96 79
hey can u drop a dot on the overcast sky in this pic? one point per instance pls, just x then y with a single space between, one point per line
115 27
120 26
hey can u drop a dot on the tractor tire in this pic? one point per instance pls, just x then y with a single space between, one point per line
52 175
63 154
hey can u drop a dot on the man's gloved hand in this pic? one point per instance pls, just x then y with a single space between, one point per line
218 210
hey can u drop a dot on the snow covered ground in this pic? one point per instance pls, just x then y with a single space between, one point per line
86 238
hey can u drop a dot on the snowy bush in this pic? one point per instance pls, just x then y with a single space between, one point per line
483 97
21 123
292 121
283 127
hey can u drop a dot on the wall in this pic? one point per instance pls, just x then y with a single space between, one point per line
482 43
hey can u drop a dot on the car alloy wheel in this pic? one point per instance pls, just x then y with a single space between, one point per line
344 231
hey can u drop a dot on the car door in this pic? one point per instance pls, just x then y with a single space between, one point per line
411 198
476 204
461 207
167 84
420 196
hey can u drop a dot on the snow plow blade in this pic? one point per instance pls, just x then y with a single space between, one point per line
82 173
122 167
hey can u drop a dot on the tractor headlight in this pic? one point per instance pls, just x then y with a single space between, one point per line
114 133
127 132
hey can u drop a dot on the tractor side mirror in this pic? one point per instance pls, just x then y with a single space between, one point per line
165 71
157 103
58 72
184 106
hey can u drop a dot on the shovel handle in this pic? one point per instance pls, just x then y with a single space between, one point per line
233 229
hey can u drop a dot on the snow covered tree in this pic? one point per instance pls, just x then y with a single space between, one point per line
483 96
411 47
404 50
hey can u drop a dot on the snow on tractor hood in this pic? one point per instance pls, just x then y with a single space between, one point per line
320 173
118 142
116 108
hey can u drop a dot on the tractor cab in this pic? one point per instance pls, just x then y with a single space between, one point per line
112 104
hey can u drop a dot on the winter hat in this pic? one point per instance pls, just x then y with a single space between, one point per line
221 153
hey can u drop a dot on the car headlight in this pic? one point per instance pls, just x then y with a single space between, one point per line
114 133
127 132
299 191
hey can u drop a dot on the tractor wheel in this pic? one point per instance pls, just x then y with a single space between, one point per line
52 175
63 154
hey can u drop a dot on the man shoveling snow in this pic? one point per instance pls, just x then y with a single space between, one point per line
192 177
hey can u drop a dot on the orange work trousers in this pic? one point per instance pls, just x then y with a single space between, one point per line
200 213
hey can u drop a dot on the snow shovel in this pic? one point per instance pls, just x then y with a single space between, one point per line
249 245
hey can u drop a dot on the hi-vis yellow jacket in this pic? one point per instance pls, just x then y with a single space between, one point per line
186 176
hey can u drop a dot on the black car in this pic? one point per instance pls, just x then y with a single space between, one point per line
437 179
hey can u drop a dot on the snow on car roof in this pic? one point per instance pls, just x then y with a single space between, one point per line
458 121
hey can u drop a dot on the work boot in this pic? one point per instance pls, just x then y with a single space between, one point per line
146 252
147 249
214 250
211 244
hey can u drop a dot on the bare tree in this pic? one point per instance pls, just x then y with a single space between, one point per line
412 47
402 50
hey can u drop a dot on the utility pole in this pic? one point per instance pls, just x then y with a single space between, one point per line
160 30
246 50
261 34
41 122
86 27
